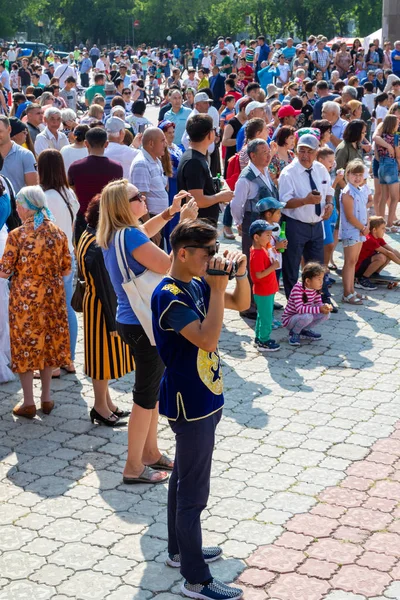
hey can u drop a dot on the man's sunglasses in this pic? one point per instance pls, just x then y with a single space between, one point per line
138 198
210 249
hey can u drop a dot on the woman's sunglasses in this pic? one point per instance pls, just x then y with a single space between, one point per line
138 198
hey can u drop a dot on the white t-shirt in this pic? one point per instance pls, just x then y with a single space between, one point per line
100 66
61 213
121 154
71 154
62 72
381 112
283 73
206 62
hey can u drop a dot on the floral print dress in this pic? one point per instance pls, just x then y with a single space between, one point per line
37 258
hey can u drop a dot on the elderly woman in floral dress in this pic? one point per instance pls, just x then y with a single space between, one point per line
37 257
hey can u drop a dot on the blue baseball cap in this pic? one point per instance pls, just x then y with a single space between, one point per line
259 226
268 204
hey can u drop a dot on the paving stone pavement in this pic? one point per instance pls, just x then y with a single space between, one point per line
305 485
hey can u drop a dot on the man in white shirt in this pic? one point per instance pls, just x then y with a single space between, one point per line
202 104
116 149
43 77
230 47
51 137
147 173
64 71
100 66
12 55
216 52
331 112
305 190
254 183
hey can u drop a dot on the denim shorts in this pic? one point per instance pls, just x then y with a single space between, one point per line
349 242
388 170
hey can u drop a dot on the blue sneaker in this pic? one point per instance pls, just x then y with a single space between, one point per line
276 324
215 590
294 339
210 554
270 346
309 334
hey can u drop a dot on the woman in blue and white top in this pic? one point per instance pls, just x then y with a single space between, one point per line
121 207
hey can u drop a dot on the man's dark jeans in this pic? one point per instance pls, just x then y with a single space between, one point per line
188 491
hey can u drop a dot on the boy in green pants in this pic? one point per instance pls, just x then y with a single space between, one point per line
263 264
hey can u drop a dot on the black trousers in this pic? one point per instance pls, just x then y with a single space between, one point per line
246 246
305 240
85 80
188 491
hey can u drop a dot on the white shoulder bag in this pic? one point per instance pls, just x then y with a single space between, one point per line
138 288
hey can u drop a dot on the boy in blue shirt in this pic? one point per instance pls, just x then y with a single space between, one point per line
188 310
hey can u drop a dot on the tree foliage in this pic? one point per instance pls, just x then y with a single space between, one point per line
106 21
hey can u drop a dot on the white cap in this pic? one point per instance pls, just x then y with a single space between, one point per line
252 105
114 125
201 97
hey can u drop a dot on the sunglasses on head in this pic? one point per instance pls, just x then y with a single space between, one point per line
138 198
210 249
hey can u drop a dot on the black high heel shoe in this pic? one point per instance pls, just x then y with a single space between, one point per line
110 422
122 414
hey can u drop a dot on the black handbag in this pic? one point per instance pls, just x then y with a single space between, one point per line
77 296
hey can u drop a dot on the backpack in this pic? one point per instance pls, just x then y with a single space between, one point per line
13 220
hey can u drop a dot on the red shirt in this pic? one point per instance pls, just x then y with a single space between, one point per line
369 248
89 175
259 261
248 71
237 95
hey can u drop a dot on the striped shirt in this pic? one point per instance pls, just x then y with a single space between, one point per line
296 306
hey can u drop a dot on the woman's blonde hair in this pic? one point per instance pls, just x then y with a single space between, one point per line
390 124
354 104
115 212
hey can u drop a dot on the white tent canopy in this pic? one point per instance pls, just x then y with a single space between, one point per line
377 35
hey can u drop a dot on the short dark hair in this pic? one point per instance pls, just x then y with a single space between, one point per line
323 125
187 232
99 77
252 86
118 101
369 86
96 137
93 211
322 85
138 107
118 81
198 127
230 82
324 152
309 86
80 132
229 98
296 102
353 131
283 134
70 79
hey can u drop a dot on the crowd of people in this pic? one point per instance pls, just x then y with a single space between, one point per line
105 213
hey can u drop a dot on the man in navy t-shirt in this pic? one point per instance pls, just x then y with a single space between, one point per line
188 309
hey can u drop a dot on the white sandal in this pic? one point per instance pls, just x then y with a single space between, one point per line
352 299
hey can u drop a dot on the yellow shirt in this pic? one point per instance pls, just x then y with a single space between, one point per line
203 83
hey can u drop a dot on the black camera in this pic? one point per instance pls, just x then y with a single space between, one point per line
231 274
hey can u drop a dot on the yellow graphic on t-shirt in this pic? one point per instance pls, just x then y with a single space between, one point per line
173 288
209 370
